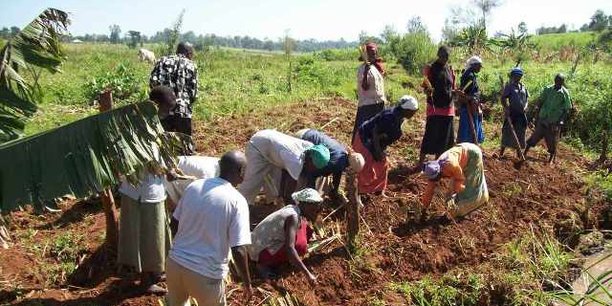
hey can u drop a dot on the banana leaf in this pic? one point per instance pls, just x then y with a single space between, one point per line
84 157
37 46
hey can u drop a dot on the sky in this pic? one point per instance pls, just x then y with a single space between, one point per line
304 19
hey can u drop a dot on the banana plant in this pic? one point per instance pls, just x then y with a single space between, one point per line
81 158
36 47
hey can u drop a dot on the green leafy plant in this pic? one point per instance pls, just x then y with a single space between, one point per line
413 51
34 48
84 157
123 82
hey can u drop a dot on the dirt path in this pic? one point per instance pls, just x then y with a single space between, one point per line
539 196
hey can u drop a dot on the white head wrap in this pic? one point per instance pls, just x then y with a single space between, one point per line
307 195
473 60
409 102
356 162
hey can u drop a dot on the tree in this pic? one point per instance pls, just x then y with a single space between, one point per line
599 21
5 33
268 45
135 39
14 31
190 36
473 37
389 34
415 25
522 28
485 7
364 38
450 30
115 34
174 34
289 46
413 51
35 48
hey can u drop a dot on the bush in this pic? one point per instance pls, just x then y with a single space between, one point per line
413 51
351 54
122 81
310 71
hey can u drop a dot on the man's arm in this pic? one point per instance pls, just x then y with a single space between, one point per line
241 258
173 226
239 237
155 73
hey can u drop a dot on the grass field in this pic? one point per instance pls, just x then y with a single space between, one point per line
560 40
233 81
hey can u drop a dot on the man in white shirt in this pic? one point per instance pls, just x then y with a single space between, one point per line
193 167
212 217
270 150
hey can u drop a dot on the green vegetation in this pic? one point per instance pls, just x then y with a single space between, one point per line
29 51
229 81
558 41
236 82
530 270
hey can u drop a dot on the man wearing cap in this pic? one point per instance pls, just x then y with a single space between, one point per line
270 150
339 160
370 86
283 235
552 109
463 164
471 104
514 101
372 139
439 85
180 73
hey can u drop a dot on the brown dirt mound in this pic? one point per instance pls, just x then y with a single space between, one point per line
538 196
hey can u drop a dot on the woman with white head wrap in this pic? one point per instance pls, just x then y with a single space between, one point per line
471 104
283 235
372 139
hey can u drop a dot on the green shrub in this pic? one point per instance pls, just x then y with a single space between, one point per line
413 51
338 54
123 82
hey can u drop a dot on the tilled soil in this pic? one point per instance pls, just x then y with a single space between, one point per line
393 248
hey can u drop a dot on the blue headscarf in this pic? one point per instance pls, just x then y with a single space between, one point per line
516 71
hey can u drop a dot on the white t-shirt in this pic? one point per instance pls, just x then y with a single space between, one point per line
282 150
376 89
149 190
202 167
213 217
